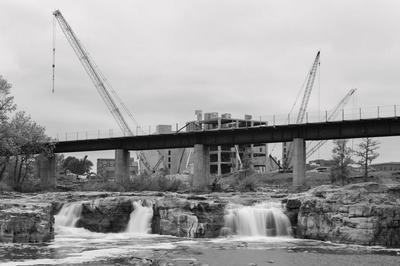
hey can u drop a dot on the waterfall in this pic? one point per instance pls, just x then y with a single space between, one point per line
69 214
140 219
262 219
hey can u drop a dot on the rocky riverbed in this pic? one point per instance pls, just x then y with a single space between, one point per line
366 213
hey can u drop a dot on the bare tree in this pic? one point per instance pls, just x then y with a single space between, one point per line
341 155
367 153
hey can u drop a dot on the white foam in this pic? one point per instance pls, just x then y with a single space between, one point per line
69 214
140 219
263 219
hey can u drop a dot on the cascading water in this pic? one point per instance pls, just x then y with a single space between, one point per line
263 219
140 219
69 214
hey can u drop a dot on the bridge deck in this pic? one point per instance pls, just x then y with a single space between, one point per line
264 134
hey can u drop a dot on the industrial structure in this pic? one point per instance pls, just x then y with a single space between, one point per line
223 159
287 148
203 158
114 103
228 159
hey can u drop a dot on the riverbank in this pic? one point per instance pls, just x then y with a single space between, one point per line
364 213
191 229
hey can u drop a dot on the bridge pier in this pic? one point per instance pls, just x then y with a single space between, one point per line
299 162
122 161
201 169
46 166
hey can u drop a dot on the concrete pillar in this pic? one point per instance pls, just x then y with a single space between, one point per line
299 162
201 169
47 171
122 161
219 171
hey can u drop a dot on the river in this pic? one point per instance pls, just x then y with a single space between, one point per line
254 235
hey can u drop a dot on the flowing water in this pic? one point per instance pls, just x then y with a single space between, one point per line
68 215
257 234
140 219
263 219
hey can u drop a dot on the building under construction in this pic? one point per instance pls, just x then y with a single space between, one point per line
172 161
223 159
229 159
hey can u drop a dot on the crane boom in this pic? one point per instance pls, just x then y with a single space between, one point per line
308 89
97 78
332 115
287 147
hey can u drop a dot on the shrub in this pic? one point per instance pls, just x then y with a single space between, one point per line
138 183
5 187
248 184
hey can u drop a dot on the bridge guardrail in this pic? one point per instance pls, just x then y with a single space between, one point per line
271 120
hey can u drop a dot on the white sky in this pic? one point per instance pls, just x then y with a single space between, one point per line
167 58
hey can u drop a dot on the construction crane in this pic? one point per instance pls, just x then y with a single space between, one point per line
286 146
331 116
100 82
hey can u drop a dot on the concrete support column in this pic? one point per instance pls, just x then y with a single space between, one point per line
219 171
122 161
201 169
47 171
299 162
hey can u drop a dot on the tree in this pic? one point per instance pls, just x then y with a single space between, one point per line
77 166
6 101
6 106
247 162
20 140
367 153
26 140
342 158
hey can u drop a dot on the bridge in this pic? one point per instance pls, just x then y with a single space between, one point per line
203 139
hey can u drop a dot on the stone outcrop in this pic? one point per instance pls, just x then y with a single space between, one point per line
188 218
106 215
173 214
366 214
24 221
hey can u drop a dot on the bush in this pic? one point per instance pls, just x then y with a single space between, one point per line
138 183
30 185
5 187
249 183
236 182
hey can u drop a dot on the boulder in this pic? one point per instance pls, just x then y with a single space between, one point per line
106 215
365 213
188 218
23 221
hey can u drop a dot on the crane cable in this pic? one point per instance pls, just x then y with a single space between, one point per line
54 52
319 102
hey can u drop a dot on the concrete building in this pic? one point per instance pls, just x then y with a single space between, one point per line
106 168
228 159
390 166
222 159
172 161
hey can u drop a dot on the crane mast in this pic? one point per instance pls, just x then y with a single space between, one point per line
332 115
287 147
307 92
97 78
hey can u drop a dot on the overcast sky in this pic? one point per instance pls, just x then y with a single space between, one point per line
167 58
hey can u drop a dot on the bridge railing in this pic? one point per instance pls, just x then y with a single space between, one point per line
340 115
267 120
